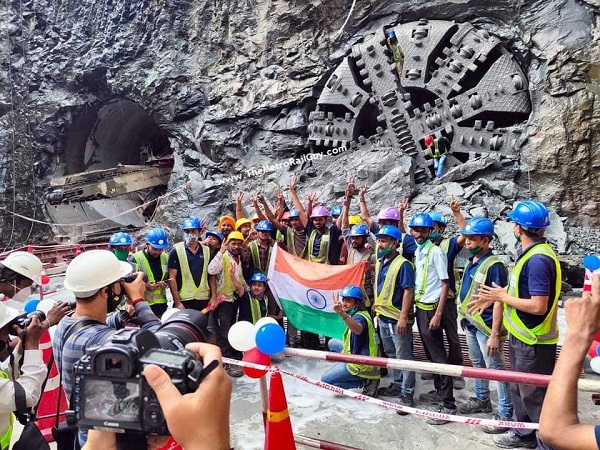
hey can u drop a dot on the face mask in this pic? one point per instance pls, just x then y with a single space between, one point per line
187 237
352 312
434 235
121 254
423 244
383 252
474 251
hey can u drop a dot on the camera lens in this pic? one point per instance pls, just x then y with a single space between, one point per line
182 328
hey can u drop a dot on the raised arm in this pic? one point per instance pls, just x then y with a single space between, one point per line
257 210
364 211
271 217
342 221
298 203
460 219
402 206
239 212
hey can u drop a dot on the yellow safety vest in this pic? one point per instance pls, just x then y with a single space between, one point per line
479 280
445 246
255 307
228 287
383 300
420 292
255 253
5 440
323 256
547 331
363 257
159 295
361 370
290 241
435 151
189 290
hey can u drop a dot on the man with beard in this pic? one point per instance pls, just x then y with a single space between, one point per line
226 225
243 225
255 304
153 261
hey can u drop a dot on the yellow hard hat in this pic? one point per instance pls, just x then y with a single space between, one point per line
355 220
235 235
240 222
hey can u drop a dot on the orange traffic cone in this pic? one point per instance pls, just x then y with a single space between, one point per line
279 434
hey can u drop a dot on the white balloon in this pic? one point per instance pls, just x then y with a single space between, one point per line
241 336
168 313
595 364
263 321
45 305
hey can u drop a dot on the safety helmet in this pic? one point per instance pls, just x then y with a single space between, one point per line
7 314
215 234
438 217
530 214
230 220
157 238
390 34
92 270
24 263
258 277
294 214
191 223
390 231
264 225
359 230
319 211
421 220
240 222
254 217
336 211
355 220
119 239
351 291
428 140
285 216
389 213
478 226
235 235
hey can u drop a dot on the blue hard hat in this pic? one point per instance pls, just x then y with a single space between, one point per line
478 226
421 220
119 238
294 213
352 292
390 231
214 233
336 211
157 238
191 223
360 230
258 277
438 217
390 34
530 214
264 225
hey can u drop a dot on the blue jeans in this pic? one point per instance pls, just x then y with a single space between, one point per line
338 375
400 347
438 165
477 342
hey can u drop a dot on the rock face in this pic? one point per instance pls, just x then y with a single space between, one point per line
230 87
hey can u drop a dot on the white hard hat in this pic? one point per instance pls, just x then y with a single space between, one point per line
92 270
26 264
7 314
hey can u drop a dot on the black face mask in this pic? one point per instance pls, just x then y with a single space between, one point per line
113 300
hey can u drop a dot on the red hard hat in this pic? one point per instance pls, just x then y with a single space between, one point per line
428 141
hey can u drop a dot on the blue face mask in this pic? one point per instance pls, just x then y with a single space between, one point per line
187 237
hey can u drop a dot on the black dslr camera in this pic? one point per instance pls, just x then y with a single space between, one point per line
24 320
109 390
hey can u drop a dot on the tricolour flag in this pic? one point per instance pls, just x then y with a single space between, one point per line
305 291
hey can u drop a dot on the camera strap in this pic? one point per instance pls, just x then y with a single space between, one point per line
22 413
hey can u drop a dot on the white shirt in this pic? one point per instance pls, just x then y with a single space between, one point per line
438 271
34 374
215 267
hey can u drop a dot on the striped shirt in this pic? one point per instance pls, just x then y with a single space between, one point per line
68 353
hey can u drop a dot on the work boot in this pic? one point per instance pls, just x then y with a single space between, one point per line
474 405
233 370
370 388
426 376
431 397
406 400
442 410
458 383
513 440
393 390
496 430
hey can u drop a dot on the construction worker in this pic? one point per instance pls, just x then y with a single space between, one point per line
394 283
120 244
396 51
227 282
485 332
358 251
358 339
530 310
438 149
255 304
153 261
214 240
226 225
431 291
243 225
188 268
260 249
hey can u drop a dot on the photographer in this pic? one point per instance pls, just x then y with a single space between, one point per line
96 279
209 403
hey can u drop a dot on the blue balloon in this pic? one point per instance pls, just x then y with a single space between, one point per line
591 262
598 351
31 305
270 339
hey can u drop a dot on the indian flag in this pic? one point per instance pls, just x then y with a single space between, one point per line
304 290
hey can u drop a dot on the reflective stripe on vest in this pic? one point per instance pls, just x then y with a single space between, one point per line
159 295
5 439
435 151
547 331
445 245
479 280
255 307
383 299
323 256
290 241
228 287
421 290
255 253
361 370
189 290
